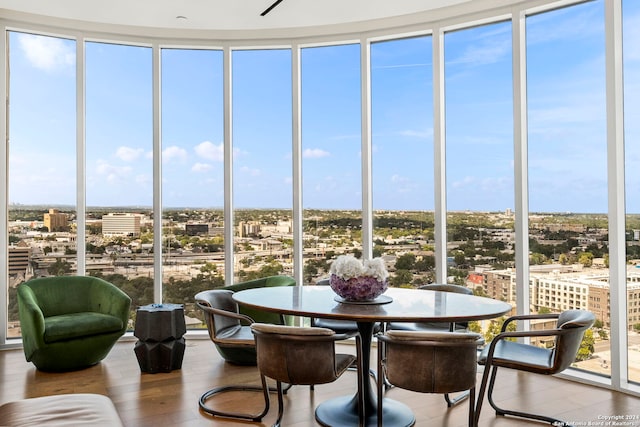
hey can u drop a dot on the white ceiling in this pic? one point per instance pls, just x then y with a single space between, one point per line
240 19
225 14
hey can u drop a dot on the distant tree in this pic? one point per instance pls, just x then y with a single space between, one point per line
586 259
563 259
537 258
544 310
474 326
495 327
401 278
479 291
406 261
59 268
209 269
427 263
586 347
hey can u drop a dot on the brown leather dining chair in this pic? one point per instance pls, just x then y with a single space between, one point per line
298 356
502 352
429 362
437 327
230 331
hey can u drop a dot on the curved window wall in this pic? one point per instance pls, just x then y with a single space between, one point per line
185 168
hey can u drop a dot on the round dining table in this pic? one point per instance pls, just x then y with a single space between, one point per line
395 305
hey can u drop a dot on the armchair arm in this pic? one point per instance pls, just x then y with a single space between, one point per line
215 311
31 321
120 304
529 317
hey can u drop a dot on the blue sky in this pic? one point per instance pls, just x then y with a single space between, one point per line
567 151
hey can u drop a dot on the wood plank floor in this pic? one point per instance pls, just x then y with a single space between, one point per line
171 399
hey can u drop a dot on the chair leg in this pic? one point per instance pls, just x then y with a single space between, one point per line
280 404
502 411
451 402
483 387
243 416
472 404
379 383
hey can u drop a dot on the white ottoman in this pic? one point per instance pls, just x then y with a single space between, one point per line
62 410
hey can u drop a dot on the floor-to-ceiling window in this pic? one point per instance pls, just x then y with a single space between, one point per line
479 158
262 163
331 156
192 175
402 158
631 68
119 167
567 169
568 226
41 168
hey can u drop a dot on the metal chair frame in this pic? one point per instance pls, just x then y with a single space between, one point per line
491 364
245 322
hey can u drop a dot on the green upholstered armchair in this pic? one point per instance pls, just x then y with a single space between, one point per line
264 282
70 322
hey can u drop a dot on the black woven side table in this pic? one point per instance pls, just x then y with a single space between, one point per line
160 329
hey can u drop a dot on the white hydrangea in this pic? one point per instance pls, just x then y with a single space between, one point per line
376 268
347 267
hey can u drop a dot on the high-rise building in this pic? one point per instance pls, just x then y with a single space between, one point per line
19 259
56 221
121 224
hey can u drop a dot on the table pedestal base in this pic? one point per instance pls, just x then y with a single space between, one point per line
340 411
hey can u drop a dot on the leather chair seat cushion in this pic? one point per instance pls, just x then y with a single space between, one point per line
291 330
426 326
510 354
235 336
61 411
77 325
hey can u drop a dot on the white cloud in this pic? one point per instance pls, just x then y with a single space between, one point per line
249 171
128 154
174 153
47 53
201 167
144 180
314 153
112 173
210 151
397 179
417 133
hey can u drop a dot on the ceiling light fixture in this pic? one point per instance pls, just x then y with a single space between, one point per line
267 10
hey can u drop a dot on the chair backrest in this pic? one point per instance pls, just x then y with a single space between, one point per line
447 288
572 325
431 362
58 295
219 299
296 355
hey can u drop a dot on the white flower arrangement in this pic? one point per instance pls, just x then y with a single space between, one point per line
347 267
